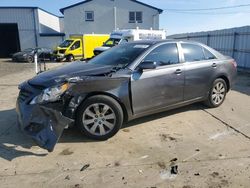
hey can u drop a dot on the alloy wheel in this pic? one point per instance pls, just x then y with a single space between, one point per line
218 93
99 119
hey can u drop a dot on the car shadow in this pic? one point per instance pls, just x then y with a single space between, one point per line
192 107
14 144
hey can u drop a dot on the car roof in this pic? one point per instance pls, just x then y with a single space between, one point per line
152 42
155 42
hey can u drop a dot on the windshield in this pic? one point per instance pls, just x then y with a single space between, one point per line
29 50
121 55
111 42
66 44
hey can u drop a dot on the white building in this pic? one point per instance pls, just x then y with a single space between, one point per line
28 27
104 16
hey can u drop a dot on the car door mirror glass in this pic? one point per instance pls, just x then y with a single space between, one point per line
148 65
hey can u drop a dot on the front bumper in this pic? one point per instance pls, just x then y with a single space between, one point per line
59 56
43 124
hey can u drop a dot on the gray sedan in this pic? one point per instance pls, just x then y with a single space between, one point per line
126 82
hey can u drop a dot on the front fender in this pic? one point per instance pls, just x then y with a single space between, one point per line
118 88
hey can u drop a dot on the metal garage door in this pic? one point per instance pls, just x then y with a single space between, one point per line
9 39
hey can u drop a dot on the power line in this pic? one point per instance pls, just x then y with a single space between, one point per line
210 13
207 9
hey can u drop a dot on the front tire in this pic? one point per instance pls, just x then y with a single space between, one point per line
71 58
217 93
100 117
30 59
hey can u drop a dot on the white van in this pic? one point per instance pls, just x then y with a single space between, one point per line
128 35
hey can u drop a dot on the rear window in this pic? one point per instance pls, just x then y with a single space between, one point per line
193 52
208 54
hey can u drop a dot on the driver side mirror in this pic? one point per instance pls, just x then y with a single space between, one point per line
148 65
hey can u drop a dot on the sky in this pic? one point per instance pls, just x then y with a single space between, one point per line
174 22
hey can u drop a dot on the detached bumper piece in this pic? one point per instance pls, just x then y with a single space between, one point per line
44 125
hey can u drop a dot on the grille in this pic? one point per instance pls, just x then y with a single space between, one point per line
62 51
23 95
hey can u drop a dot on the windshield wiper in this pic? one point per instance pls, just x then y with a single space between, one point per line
118 67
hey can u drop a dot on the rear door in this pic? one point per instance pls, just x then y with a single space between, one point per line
200 65
157 88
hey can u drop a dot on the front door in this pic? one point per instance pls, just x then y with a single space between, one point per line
158 88
76 49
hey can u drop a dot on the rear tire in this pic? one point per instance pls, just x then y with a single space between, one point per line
100 117
217 93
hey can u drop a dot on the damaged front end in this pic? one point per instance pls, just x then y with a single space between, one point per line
43 113
42 121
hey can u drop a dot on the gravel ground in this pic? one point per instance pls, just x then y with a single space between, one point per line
190 147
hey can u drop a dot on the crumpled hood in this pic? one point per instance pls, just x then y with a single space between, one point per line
76 69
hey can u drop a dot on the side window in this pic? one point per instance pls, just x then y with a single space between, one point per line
165 54
208 54
192 52
89 16
76 45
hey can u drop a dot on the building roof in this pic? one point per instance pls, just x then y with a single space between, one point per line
86 1
20 7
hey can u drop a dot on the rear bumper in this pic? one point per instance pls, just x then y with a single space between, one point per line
44 125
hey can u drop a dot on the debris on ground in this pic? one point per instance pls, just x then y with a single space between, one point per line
144 157
66 152
197 174
140 171
77 185
197 150
214 174
117 163
166 174
126 130
67 177
167 137
85 167
174 169
173 160
186 186
161 165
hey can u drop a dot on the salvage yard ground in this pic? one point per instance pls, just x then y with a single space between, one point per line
188 147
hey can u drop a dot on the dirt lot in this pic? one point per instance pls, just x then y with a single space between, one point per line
188 147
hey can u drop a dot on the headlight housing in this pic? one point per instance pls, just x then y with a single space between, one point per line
51 94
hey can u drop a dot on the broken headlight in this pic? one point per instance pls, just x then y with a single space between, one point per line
51 94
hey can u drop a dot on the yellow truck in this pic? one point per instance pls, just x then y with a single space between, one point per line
79 47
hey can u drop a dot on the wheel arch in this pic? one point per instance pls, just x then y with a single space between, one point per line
225 78
124 110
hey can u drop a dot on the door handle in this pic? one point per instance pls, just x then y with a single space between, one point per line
178 71
214 65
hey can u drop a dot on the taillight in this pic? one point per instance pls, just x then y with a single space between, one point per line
234 63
